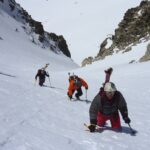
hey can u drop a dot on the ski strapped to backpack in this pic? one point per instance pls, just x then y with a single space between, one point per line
46 65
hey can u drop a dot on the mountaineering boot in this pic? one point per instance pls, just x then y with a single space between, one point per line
77 97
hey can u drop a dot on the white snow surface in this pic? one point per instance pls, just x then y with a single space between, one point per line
42 118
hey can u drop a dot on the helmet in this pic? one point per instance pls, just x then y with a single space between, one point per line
110 87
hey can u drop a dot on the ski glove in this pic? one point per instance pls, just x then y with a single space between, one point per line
127 120
92 128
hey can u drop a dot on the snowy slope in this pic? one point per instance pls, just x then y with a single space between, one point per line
20 43
42 118
35 118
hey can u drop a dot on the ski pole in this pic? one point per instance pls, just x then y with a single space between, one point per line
49 78
35 83
49 81
132 131
69 74
86 94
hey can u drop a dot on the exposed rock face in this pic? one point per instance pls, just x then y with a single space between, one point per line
105 50
87 61
50 40
134 27
146 57
60 42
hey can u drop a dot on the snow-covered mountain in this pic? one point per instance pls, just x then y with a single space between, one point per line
42 118
84 24
35 29
132 30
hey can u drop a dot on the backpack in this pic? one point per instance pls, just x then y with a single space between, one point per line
77 82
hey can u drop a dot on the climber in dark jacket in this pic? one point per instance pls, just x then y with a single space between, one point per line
106 107
41 74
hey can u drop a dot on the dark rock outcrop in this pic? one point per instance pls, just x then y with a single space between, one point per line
134 26
59 44
131 31
87 61
146 57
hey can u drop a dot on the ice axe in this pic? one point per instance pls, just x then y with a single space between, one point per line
132 131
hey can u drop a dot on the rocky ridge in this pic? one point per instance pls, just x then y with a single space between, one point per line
132 30
44 39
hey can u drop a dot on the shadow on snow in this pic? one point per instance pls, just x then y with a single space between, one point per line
52 87
124 129
9 75
81 100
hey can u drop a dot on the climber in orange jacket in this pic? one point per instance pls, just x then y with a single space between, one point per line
75 84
